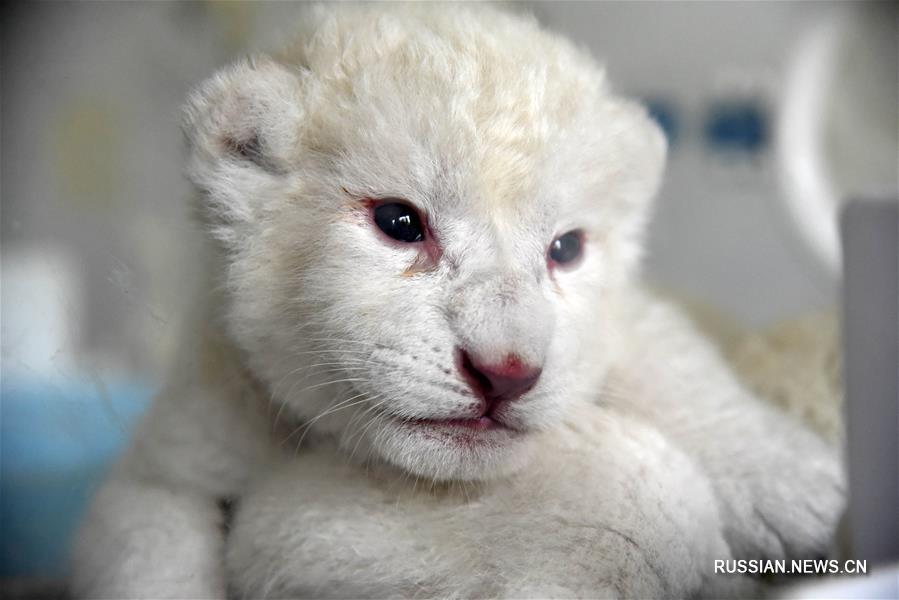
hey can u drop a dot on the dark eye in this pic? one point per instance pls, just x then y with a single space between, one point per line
567 247
399 221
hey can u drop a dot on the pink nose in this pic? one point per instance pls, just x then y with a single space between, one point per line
508 380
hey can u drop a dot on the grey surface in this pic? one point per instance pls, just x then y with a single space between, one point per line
870 233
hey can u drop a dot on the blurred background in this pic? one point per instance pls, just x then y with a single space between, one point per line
775 114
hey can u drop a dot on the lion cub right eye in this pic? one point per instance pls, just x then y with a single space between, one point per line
399 221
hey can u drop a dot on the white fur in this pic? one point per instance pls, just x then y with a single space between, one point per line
639 459
569 525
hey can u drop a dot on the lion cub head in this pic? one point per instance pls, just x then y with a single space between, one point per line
422 212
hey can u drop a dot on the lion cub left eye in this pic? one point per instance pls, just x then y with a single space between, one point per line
400 221
567 247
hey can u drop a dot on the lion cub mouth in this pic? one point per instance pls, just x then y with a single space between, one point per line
476 431
483 423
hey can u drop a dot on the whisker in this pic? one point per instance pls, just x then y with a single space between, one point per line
284 403
348 403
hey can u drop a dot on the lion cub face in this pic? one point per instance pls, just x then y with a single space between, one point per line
422 213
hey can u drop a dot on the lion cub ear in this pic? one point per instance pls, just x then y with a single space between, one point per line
242 130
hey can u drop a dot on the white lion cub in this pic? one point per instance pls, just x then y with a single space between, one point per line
424 366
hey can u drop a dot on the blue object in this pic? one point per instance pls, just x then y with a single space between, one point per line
737 125
666 115
57 439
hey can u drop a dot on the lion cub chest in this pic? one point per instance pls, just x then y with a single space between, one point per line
588 515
